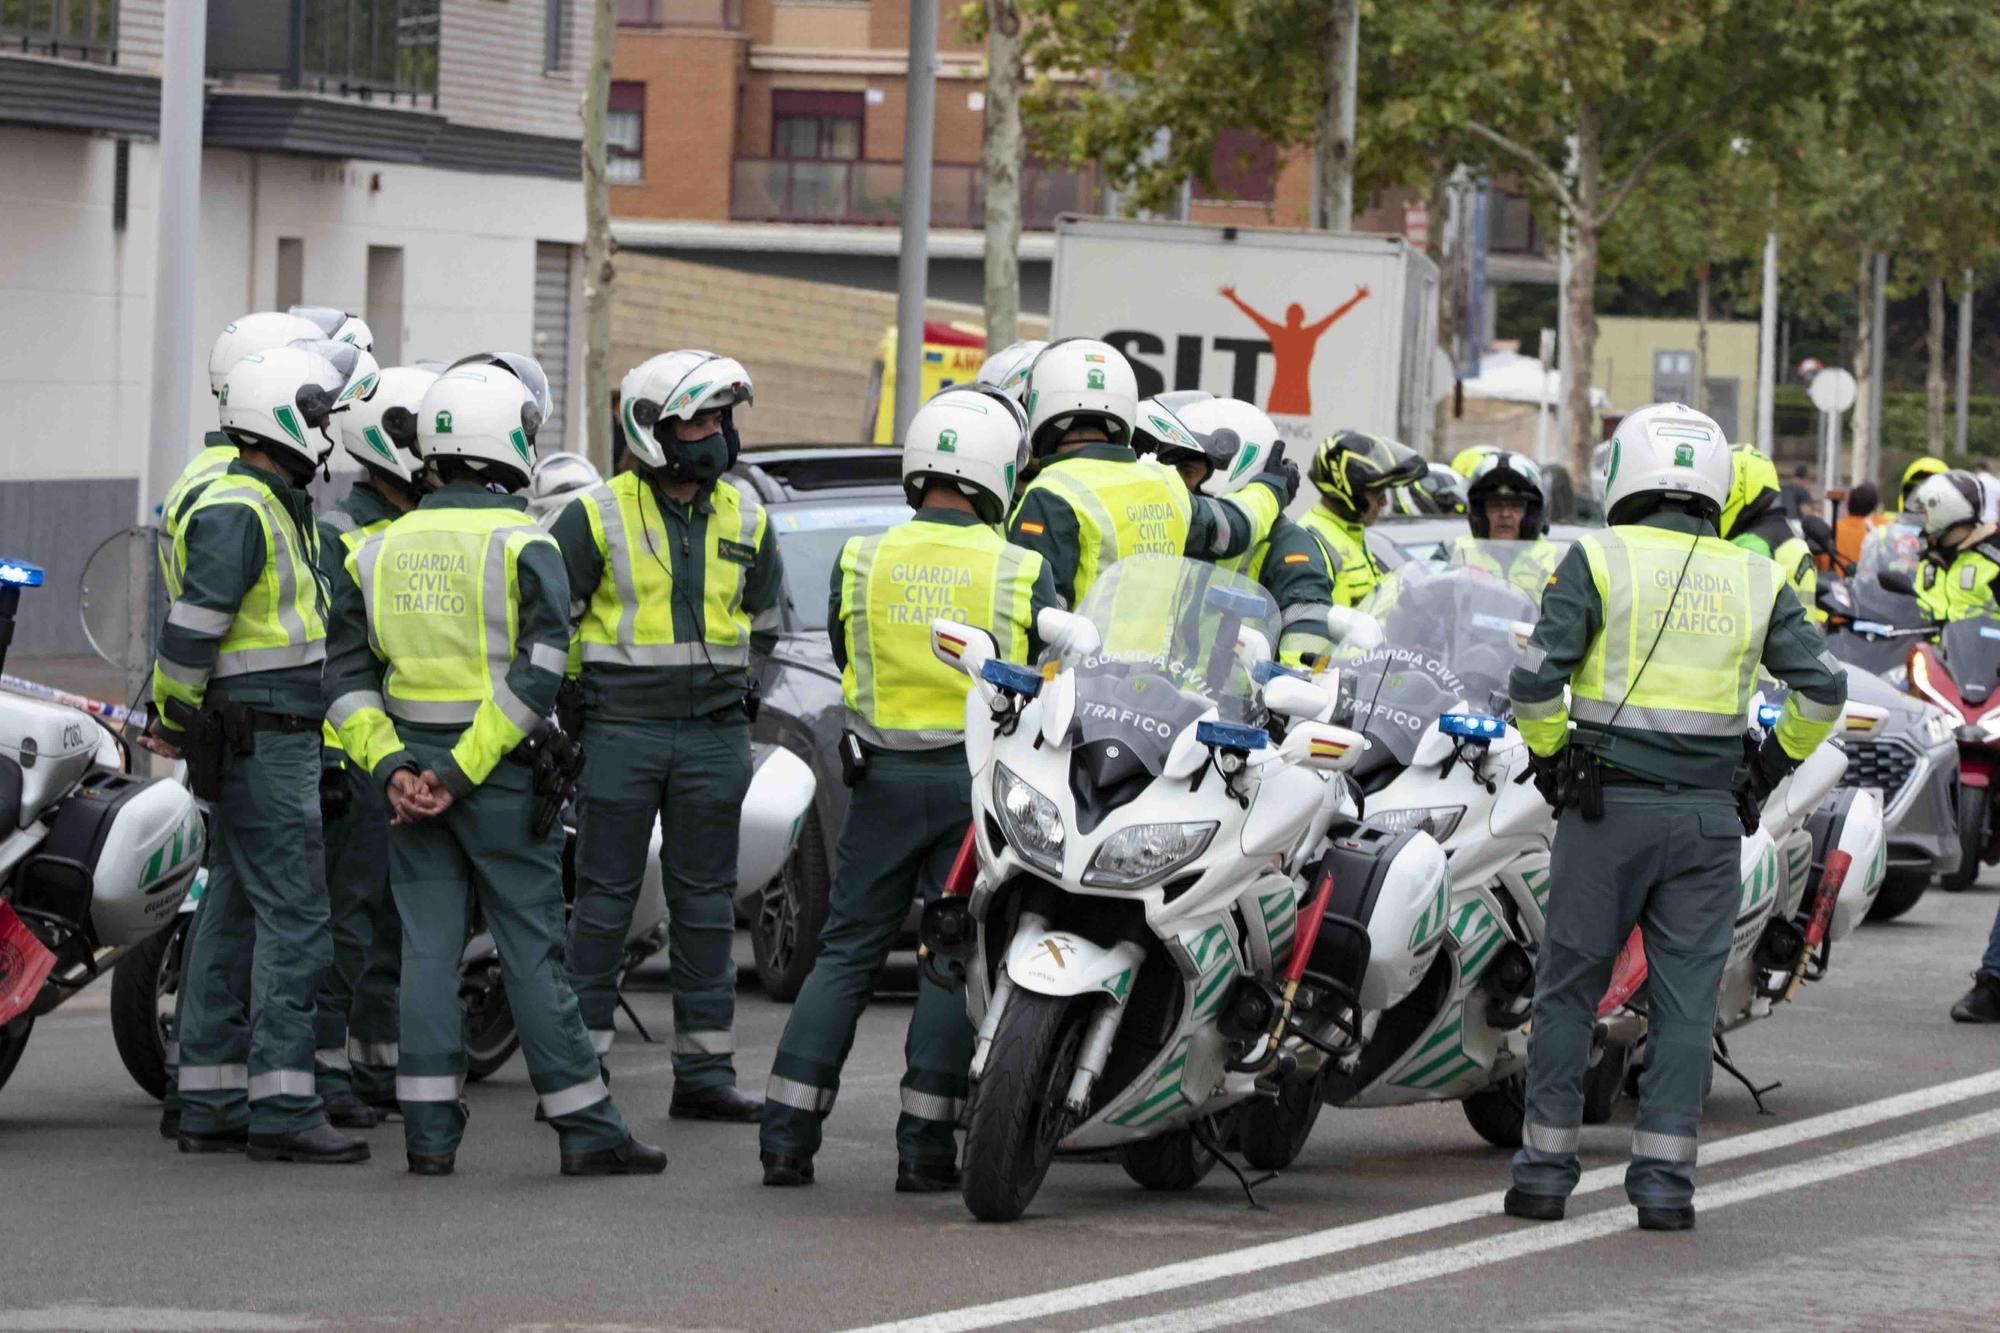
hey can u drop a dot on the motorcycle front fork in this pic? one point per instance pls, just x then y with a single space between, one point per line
1092 1055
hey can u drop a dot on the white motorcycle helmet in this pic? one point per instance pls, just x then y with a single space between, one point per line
1160 427
1667 449
556 480
973 436
1240 440
282 401
534 380
257 332
337 325
680 385
358 371
477 414
1007 369
379 427
1076 382
1946 501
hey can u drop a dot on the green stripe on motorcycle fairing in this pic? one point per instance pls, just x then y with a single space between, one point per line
1222 974
1441 1034
1412 1079
1467 964
1464 1067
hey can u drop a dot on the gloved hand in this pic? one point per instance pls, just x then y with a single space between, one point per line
335 796
1768 768
1282 476
1547 775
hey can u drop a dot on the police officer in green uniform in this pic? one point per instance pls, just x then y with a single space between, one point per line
1094 501
1504 504
1961 558
1657 627
236 688
1354 474
912 790
449 639
1214 443
1753 519
676 570
355 1034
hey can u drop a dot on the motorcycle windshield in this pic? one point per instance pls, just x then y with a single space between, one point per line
1523 566
1898 547
1169 631
1452 633
1972 651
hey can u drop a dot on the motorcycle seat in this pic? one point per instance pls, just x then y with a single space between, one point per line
10 795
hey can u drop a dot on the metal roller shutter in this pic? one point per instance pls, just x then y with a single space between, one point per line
552 301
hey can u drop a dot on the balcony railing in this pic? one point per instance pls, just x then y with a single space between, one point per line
369 48
681 14
65 29
768 189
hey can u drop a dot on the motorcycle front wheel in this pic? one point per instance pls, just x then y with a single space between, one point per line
1497 1113
1974 807
144 986
1017 1113
490 1036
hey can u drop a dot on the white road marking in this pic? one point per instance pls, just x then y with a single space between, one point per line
115 1318
1458 1259
1319 1244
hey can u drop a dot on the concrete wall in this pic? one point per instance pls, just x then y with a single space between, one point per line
809 346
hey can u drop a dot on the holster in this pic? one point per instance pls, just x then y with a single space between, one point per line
569 706
1582 783
1749 805
853 759
202 743
556 760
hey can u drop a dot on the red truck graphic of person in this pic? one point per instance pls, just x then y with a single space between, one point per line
1292 347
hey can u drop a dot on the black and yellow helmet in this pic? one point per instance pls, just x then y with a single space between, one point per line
1350 462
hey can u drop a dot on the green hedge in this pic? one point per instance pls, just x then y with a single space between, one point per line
1903 412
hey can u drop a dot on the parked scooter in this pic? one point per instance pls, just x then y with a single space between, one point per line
94 861
1144 810
1961 675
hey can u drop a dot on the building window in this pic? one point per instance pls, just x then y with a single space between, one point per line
680 14
823 126
625 134
555 27
1243 167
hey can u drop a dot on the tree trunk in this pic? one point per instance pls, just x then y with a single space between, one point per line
1443 251
1333 143
1579 299
1700 403
597 274
1001 165
1864 342
1934 377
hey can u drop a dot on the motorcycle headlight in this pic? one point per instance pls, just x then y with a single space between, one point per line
1030 820
1440 821
1133 858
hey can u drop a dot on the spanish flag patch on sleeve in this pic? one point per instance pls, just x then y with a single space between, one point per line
1036 528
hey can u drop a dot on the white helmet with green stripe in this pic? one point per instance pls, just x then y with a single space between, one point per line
476 414
1239 439
379 426
680 384
357 368
259 331
973 437
282 401
1667 450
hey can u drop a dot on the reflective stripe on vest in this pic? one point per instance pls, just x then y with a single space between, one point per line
1121 509
1528 571
278 623
212 462
441 588
893 585
352 534
1698 678
629 620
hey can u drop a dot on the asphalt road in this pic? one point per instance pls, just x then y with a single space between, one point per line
1865 1201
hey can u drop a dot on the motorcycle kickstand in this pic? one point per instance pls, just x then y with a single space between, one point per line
1721 1057
1206 1138
645 1036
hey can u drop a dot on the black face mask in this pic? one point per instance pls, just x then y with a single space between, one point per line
701 460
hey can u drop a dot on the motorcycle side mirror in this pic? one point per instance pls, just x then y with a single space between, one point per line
1252 648
1896 581
1288 696
1322 747
1067 632
1353 629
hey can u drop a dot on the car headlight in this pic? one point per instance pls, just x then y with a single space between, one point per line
1030 820
1133 858
1440 821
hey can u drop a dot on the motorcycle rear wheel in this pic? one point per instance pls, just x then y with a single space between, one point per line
490 1035
1272 1132
1497 1113
1974 808
1017 1115
13 1041
1900 891
1605 1082
1170 1161
146 979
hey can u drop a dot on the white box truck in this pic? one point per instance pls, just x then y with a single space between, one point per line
1323 330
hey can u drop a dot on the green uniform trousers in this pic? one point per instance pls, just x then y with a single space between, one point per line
692 775
904 826
1664 859
258 947
355 1033
482 850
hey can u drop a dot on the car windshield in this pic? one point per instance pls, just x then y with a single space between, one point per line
809 540
1525 566
1172 635
1451 634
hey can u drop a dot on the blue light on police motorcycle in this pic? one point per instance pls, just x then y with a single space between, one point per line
1231 736
1767 715
1472 726
20 573
1011 677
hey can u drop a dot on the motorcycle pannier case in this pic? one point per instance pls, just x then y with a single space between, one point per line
120 854
1385 919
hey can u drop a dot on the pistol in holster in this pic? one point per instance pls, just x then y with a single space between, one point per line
556 759
203 740
569 706
1582 783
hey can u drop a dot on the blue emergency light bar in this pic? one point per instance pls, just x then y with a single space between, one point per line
1231 736
20 573
1011 677
1472 726
1767 715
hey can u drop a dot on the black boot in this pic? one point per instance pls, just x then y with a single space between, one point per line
344 1110
321 1143
630 1158
781 1172
432 1164
1666 1219
723 1103
926 1177
1535 1207
213 1140
1981 1004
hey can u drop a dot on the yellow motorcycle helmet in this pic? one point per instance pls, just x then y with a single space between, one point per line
1351 462
1466 461
1751 475
1915 473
